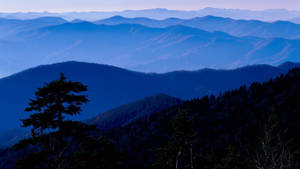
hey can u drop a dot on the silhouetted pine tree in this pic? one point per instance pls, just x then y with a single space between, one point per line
51 133
53 101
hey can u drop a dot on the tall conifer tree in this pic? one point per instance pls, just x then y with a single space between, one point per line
52 103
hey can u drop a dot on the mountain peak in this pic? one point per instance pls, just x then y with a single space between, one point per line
49 19
117 18
289 65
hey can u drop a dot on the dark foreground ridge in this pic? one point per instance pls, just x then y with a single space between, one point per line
224 131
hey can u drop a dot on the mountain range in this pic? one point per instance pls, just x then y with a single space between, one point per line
157 76
110 87
12 26
240 28
142 48
161 13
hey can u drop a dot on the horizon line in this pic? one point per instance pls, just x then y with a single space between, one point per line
144 9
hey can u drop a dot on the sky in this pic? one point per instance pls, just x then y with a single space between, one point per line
119 5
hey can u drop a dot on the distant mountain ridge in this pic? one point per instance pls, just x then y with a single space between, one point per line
12 26
110 87
161 13
142 48
296 20
278 29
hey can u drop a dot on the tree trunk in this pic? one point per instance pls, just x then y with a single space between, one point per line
177 158
191 154
60 134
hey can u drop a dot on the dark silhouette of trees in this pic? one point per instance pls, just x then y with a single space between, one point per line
52 133
97 154
53 101
178 153
60 143
212 132
274 152
228 127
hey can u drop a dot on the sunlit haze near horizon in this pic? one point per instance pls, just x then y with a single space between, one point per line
119 5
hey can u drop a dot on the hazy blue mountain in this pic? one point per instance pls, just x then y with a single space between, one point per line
266 15
110 87
127 113
278 29
296 20
12 26
289 65
142 48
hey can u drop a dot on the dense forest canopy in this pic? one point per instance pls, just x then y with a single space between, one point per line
225 131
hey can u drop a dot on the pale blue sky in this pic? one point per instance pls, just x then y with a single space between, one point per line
117 5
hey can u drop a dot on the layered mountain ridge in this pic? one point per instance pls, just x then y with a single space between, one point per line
146 49
110 87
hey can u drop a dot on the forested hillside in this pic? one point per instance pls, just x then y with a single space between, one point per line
128 113
251 127
225 132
